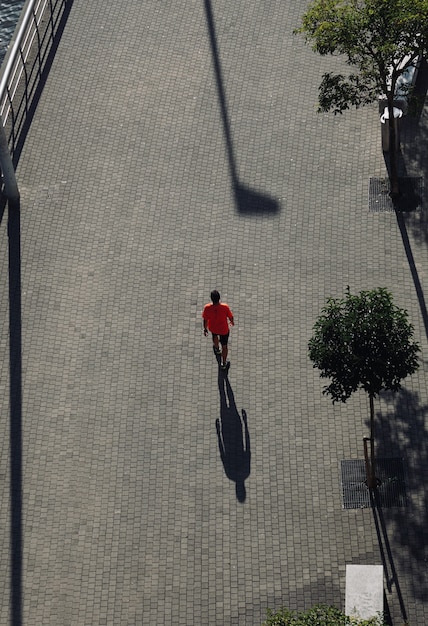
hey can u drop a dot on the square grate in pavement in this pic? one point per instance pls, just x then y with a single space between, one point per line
391 490
410 199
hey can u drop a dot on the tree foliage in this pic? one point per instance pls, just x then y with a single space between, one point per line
363 341
379 39
319 615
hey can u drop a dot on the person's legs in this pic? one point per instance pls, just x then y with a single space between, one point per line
224 352
215 343
224 349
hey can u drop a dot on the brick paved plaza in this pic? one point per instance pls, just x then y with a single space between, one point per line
176 148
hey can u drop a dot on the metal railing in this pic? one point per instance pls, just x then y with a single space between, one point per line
20 76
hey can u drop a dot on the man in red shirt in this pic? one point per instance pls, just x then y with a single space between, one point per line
216 317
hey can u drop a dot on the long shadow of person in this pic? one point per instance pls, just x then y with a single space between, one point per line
233 438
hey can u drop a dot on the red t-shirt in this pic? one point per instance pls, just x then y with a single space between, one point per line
217 316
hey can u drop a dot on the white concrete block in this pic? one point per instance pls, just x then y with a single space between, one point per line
364 590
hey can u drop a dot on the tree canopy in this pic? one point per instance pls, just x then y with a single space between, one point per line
319 615
363 341
379 38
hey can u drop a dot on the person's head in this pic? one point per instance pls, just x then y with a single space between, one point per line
215 296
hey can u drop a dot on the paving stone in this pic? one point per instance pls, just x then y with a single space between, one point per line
129 178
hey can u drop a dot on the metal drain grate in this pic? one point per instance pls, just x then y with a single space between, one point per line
410 199
391 491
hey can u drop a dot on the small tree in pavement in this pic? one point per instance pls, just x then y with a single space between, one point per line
363 342
380 39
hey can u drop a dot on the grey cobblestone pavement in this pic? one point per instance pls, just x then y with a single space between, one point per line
177 148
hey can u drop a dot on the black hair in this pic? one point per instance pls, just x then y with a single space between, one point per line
215 296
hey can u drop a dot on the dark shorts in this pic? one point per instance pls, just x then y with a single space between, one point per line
223 338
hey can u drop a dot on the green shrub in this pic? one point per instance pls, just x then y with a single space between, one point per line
319 615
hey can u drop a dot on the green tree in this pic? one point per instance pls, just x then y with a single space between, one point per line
380 39
319 615
363 342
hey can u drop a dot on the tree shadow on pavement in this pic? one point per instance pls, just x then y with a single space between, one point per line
411 209
413 156
403 531
401 221
233 438
247 200
389 569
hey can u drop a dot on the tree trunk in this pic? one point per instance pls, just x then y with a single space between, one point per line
371 478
